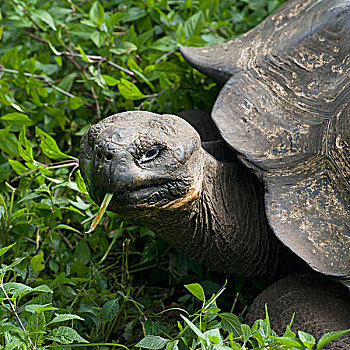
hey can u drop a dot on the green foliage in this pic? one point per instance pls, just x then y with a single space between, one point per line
209 328
64 65
32 325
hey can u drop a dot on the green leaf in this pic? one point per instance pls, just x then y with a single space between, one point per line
4 269
110 81
152 342
16 117
194 25
8 141
102 210
17 289
294 342
98 38
46 17
37 262
25 148
165 44
97 13
65 317
76 102
328 337
39 308
85 58
129 90
231 324
246 332
124 48
195 329
307 339
5 249
110 310
49 146
66 227
172 345
65 335
197 290
16 120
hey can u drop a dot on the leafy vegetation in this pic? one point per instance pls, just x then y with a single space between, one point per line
64 65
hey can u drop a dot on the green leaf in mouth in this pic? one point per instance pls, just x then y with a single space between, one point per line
102 210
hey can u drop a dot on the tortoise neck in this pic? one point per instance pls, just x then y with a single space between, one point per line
225 226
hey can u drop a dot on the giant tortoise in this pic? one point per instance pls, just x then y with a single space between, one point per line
272 196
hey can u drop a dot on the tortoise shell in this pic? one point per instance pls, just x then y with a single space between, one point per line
285 109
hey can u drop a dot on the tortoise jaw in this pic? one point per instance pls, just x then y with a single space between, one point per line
156 194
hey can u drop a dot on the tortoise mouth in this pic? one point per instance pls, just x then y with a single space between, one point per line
144 195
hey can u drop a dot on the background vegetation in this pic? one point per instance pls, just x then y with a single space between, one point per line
64 65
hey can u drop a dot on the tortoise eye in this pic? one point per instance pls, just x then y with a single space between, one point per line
151 153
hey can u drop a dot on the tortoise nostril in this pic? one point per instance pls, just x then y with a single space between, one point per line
99 155
109 157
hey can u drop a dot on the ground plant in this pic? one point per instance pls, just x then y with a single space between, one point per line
64 65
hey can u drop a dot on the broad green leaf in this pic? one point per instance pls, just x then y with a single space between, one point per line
165 44
8 141
16 120
76 102
17 289
197 290
214 336
172 345
110 81
98 38
18 167
65 335
16 117
289 333
5 249
124 48
46 17
64 317
129 90
328 337
152 342
49 146
37 262
25 148
307 339
80 182
39 308
231 324
110 310
294 342
97 13
246 332
194 25
102 210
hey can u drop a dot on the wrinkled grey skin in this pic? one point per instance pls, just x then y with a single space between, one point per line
160 175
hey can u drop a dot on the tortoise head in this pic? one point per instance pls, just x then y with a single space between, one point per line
144 159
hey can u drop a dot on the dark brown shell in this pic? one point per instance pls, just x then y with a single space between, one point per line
285 109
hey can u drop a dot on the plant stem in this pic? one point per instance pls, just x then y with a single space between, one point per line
14 311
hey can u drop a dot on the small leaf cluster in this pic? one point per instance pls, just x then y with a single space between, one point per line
209 329
27 317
